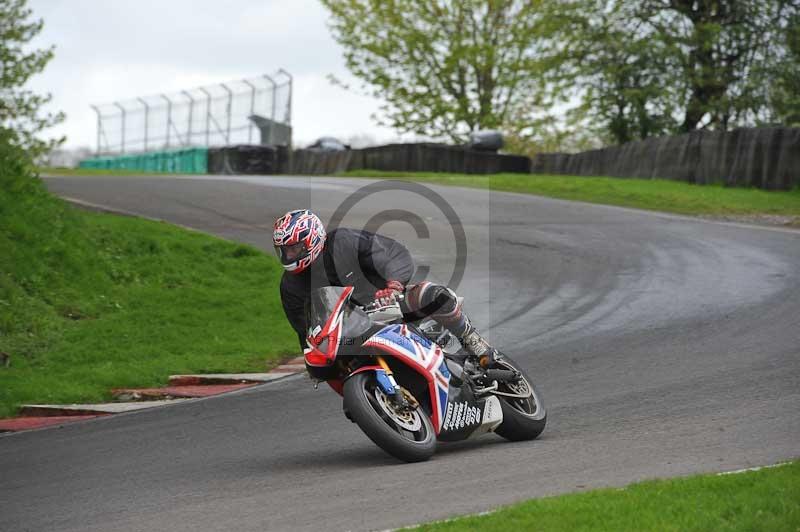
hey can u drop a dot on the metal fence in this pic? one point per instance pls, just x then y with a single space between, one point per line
204 116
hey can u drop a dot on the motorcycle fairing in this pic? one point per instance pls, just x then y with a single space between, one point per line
467 416
324 343
423 356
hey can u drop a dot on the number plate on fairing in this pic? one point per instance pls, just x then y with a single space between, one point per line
467 418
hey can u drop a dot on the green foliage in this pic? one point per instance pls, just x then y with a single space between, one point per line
768 499
652 67
785 92
638 69
628 77
20 115
444 68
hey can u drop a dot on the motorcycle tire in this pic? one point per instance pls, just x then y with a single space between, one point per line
365 410
520 421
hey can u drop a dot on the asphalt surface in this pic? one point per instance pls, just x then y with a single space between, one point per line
663 346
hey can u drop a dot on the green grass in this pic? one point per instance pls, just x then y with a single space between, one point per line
61 171
768 499
90 301
652 194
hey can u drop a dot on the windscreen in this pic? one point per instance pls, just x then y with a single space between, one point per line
323 302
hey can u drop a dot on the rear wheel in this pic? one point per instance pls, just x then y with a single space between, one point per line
524 414
406 434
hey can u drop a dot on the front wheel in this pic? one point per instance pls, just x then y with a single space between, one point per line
524 414
405 434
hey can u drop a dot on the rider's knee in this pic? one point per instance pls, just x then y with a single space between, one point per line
434 300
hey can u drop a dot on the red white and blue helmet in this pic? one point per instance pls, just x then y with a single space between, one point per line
299 237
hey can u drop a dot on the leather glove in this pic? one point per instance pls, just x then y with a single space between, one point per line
387 296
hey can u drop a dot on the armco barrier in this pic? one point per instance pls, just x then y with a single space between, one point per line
767 158
183 161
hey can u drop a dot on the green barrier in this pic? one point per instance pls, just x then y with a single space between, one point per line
181 161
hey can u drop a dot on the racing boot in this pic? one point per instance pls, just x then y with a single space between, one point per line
477 346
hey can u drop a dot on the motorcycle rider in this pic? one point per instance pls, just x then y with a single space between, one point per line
378 268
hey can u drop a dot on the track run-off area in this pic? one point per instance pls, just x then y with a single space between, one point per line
663 346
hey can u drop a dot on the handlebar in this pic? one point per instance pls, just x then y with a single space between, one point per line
376 305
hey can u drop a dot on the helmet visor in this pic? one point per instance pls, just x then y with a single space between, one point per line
291 252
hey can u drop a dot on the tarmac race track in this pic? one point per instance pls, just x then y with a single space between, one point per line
663 346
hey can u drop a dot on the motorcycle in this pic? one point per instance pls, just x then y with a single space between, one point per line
409 385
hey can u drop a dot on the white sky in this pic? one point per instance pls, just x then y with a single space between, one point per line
119 49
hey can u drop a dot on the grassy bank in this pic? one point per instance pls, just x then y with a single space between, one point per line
93 301
768 499
652 194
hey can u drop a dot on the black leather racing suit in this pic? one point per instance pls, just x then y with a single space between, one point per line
366 261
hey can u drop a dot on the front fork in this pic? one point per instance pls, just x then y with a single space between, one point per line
401 397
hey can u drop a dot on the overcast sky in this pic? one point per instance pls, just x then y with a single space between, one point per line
117 49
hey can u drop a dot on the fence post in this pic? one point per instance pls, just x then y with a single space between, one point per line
274 95
228 113
191 108
146 116
122 139
99 126
169 115
289 101
208 113
252 109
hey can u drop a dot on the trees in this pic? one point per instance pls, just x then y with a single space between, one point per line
635 68
443 68
20 109
784 93
671 66
726 49
625 80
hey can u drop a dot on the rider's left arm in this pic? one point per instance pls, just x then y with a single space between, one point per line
294 308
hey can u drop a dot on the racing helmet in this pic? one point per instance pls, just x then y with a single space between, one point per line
299 237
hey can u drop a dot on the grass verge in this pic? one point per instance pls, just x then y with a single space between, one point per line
62 171
93 301
652 194
768 499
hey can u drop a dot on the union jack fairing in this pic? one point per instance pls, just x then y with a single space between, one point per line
405 390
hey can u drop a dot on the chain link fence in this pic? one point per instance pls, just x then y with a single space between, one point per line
216 115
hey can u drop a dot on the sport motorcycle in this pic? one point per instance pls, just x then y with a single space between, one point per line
408 385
